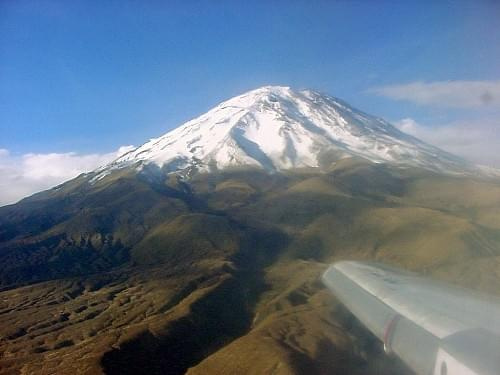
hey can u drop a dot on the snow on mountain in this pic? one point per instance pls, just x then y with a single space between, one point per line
278 128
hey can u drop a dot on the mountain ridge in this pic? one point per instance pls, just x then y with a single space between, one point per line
278 128
108 278
149 271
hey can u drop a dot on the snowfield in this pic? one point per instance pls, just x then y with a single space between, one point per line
277 128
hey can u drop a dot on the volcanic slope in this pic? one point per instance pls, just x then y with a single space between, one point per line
201 250
223 275
277 128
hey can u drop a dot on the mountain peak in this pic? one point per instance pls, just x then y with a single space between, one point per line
270 89
277 128
261 95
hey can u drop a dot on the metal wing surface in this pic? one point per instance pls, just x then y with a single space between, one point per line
435 328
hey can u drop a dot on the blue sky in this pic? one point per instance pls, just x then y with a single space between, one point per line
87 77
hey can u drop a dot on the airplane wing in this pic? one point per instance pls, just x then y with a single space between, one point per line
435 328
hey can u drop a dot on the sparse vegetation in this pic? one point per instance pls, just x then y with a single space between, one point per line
219 273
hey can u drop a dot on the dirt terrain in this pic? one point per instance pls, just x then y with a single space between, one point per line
220 273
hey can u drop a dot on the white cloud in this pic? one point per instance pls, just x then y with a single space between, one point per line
451 94
24 175
477 141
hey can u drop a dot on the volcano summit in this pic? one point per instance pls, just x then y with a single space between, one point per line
277 128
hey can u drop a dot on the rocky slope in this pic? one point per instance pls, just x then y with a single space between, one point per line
277 128
201 250
219 274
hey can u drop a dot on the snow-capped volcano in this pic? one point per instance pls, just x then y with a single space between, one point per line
279 128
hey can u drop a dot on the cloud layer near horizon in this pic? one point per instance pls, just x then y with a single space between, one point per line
476 141
450 94
21 176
